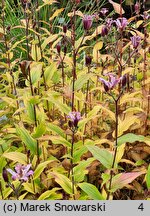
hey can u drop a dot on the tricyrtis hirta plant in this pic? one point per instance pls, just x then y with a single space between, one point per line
22 173
74 100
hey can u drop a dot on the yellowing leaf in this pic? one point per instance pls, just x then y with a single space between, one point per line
126 123
48 40
29 187
96 49
35 52
55 14
1 33
48 194
78 13
46 2
40 169
128 70
123 179
117 7
128 97
138 23
148 177
16 157
120 153
36 71
64 182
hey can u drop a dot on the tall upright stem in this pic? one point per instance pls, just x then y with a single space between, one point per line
72 164
86 104
30 80
116 145
12 84
41 51
74 56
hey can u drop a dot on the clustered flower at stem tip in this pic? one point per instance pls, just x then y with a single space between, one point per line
121 23
135 41
87 21
113 81
74 118
21 173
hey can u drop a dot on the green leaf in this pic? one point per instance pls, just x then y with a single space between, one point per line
59 104
91 190
36 71
16 157
22 197
103 155
29 187
64 182
123 179
47 194
40 130
82 80
80 169
50 71
7 192
148 177
92 114
55 128
59 140
40 169
27 139
30 111
105 177
131 138
78 153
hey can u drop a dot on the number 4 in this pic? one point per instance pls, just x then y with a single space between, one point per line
141 207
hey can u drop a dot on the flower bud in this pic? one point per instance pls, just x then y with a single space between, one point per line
70 124
88 60
65 49
104 31
106 88
5 175
124 80
137 8
74 118
58 47
135 41
77 1
65 28
87 22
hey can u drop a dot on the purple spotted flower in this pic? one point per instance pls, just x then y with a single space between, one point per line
109 22
135 41
21 172
104 11
74 118
106 28
113 81
121 23
145 15
87 21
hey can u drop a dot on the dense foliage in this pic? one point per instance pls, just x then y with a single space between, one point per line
74 100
